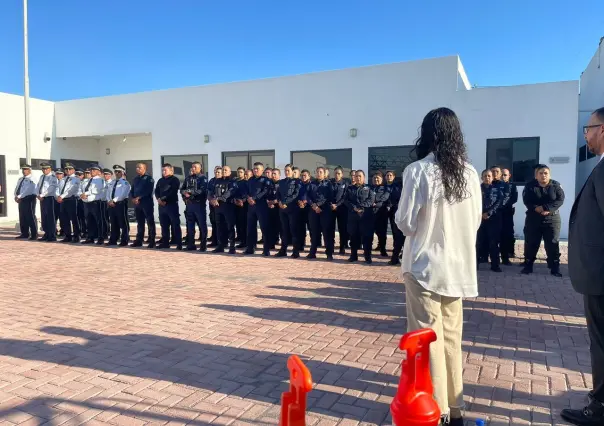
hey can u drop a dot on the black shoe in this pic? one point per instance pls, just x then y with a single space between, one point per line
329 257
218 249
248 252
123 244
266 253
136 244
280 253
368 261
203 248
100 242
66 240
33 238
232 250
212 245
527 270
242 245
353 258
394 262
179 247
342 250
21 237
311 255
556 273
295 254
496 269
162 246
76 240
151 245
383 253
88 241
592 415
44 238
190 248
506 262
111 243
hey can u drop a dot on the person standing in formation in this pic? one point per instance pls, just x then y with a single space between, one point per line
360 200
286 203
25 197
45 191
144 209
340 214
91 199
166 193
322 222
398 238
490 227
81 215
68 197
194 191
508 241
118 192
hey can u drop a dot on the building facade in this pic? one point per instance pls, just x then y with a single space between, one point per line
362 118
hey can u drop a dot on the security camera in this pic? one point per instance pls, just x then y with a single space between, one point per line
46 137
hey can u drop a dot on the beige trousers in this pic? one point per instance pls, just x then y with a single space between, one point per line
444 315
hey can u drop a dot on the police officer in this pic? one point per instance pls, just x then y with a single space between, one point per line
106 228
68 197
398 237
320 196
287 195
304 209
274 223
508 241
380 212
117 194
45 191
506 193
543 200
144 208
194 191
25 196
224 205
258 187
360 200
59 175
81 215
340 213
241 208
166 193
91 199
490 227
211 190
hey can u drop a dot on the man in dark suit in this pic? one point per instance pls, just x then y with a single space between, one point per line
586 268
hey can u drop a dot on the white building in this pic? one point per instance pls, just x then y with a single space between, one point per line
362 118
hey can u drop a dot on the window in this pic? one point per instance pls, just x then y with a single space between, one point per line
520 155
79 164
35 163
330 158
583 153
248 158
182 163
395 158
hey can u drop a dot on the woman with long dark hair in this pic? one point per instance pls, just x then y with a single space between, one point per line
439 212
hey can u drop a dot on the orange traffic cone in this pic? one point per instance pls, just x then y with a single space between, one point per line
414 404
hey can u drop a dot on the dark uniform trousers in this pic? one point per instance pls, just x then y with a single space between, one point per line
82 218
144 213
380 220
225 222
27 216
488 237
257 213
196 214
507 234
119 222
360 230
241 219
341 217
49 221
69 213
214 236
397 235
94 220
274 225
322 224
538 227
105 218
57 209
303 224
169 220
290 229
594 315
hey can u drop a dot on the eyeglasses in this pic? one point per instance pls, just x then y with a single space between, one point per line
586 128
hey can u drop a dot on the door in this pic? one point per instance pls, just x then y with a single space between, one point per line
130 175
2 186
248 158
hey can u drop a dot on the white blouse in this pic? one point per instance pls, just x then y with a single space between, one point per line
440 249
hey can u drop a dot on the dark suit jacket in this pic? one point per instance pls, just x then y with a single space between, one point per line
586 236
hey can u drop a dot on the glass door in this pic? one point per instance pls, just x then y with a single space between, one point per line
248 158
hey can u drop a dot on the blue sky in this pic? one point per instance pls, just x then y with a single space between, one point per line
85 48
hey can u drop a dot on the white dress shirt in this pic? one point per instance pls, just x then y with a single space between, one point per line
69 187
93 189
440 249
47 186
122 190
26 189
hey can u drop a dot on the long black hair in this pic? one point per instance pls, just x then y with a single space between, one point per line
441 134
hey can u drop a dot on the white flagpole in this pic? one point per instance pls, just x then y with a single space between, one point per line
26 81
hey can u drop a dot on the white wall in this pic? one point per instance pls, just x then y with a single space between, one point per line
590 99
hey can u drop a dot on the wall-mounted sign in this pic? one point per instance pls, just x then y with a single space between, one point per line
13 172
559 160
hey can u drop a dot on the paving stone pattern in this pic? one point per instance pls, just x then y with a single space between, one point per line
93 335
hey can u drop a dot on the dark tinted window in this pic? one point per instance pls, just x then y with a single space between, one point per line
520 155
395 158
330 158
35 163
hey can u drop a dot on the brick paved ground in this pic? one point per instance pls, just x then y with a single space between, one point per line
133 336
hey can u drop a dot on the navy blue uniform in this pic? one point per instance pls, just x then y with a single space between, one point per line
144 211
194 192
380 216
321 194
360 200
224 192
288 193
274 223
166 190
241 213
214 236
507 225
341 212
398 237
490 228
538 226
304 214
257 191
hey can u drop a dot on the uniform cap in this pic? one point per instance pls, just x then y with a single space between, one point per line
68 166
95 168
86 170
44 166
25 166
107 172
79 172
59 171
118 168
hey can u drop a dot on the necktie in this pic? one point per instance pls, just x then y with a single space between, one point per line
65 185
113 190
20 185
88 185
41 184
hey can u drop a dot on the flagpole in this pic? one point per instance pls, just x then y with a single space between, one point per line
26 81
